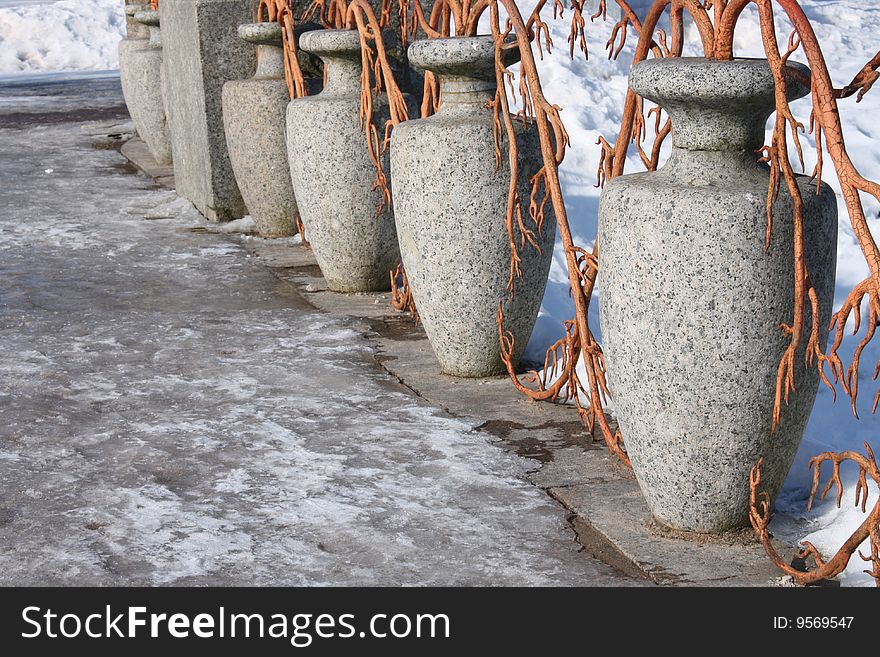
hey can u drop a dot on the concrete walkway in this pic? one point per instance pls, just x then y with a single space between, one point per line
172 413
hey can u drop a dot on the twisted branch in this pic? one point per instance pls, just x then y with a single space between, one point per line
760 516
401 294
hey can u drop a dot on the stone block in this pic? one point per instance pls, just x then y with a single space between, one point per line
202 52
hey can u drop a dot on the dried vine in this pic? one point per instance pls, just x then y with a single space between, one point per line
401 294
377 75
282 12
760 514
560 379
717 37
301 230
715 24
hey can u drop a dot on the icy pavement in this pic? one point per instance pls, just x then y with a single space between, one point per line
171 413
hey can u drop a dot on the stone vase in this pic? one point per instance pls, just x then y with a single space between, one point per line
143 83
691 303
134 29
450 200
333 175
253 118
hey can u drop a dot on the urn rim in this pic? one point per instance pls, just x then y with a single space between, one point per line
331 42
266 34
462 56
711 82
131 10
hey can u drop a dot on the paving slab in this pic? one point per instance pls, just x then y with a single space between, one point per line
136 150
603 498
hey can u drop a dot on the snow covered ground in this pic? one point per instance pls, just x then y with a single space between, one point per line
83 35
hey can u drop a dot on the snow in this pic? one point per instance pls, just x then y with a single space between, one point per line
70 36
60 36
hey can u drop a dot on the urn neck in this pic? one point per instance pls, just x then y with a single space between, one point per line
343 76
268 37
155 37
705 168
150 18
135 29
720 106
270 62
340 51
464 95
466 68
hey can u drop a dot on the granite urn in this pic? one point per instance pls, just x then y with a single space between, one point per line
450 200
254 120
141 70
692 302
350 229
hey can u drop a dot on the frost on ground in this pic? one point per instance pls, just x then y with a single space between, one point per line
171 413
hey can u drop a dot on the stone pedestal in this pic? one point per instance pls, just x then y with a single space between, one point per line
202 52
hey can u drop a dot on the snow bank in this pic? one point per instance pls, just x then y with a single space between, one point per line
61 36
